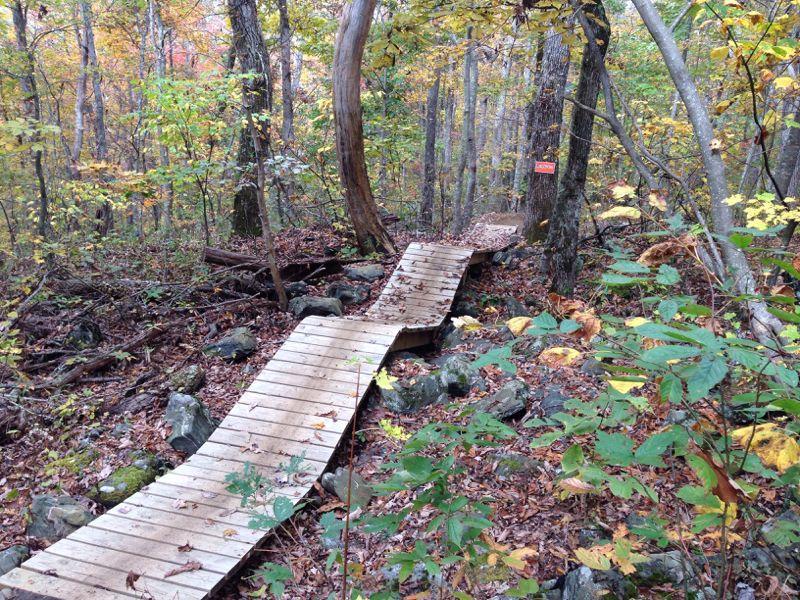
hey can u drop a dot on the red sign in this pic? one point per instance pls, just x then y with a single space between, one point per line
544 167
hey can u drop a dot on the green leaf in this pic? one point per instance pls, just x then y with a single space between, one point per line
708 373
696 310
622 488
667 309
740 240
650 451
568 326
614 448
698 496
630 267
524 588
419 467
544 321
455 530
784 315
671 388
661 354
667 275
703 471
572 459
615 279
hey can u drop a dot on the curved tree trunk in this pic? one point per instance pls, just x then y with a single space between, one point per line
561 248
251 52
429 163
762 323
348 52
545 134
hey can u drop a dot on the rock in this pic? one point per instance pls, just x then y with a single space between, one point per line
580 585
306 306
411 394
55 517
466 308
513 463
551 402
84 334
742 591
593 367
678 417
419 576
457 376
121 430
295 288
88 440
516 308
405 355
509 401
237 344
531 346
188 380
349 294
126 481
368 273
483 346
336 483
135 404
664 567
452 337
12 557
191 422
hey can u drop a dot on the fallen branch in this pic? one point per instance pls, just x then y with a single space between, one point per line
291 272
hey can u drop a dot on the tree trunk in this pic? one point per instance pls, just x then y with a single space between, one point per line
348 52
158 34
561 248
763 324
251 53
467 135
498 196
472 154
429 164
545 134
523 139
32 107
80 99
287 93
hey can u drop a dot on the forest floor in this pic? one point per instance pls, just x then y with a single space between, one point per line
66 442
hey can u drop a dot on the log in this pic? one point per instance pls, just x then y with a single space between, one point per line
296 271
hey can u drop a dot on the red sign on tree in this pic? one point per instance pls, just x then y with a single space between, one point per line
544 167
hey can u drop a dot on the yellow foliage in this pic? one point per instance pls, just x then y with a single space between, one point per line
623 387
518 324
558 356
384 381
775 449
396 432
467 323
621 212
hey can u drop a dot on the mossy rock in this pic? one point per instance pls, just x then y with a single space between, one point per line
126 481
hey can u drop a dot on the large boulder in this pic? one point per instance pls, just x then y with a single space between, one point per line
188 380
509 401
128 480
411 394
457 376
348 294
12 557
336 482
368 273
191 422
237 344
549 401
55 517
307 306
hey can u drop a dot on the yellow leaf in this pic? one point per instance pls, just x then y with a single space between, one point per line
623 191
783 82
657 202
621 212
734 200
593 558
636 321
319 425
384 381
466 323
396 432
719 53
729 510
715 144
771 445
558 356
516 559
576 486
623 387
518 324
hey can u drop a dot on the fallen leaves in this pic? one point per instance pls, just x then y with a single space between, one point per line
559 356
131 579
384 381
192 565
574 485
775 449
187 547
624 386
620 212
576 310
518 325
660 253
467 323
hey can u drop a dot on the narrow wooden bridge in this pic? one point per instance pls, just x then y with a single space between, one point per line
185 534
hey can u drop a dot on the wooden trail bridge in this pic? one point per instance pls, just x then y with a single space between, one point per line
185 534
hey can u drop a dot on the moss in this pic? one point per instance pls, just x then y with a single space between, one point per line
123 482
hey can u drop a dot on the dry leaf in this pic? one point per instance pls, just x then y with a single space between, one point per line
192 565
229 533
660 253
620 212
187 547
131 579
518 325
179 503
590 325
558 356
574 485
594 558
775 449
466 323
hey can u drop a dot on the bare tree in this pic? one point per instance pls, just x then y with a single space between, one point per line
467 134
347 56
287 92
429 162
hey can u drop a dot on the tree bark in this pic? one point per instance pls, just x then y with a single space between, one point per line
467 135
523 139
287 93
545 133
472 155
80 100
251 52
561 248
429 163
158 34
348 53
32 108
762 323
498 196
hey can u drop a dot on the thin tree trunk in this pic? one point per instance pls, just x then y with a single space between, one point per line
467 138
287 94
158 34
251 53
429 163
472 155
32 107
545 130
348 52
561 248
523 139
447 149
498 196
80 99
763 324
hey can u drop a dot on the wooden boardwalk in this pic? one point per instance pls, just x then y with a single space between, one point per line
299 405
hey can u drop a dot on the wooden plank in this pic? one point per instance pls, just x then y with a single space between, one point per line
363 347
327 362
202 579
366 358
256 406
423 291
313 383
435 255
51 586
159 532
299 423
259 444
211 475
264 459
432 262
316 403
214 492
187 524
412 275
358 324
325 373
441 249
312 427
348 335
168 552
224 517
358 330
195 495
283 390
99 575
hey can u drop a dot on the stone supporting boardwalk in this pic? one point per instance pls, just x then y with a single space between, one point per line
300 404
